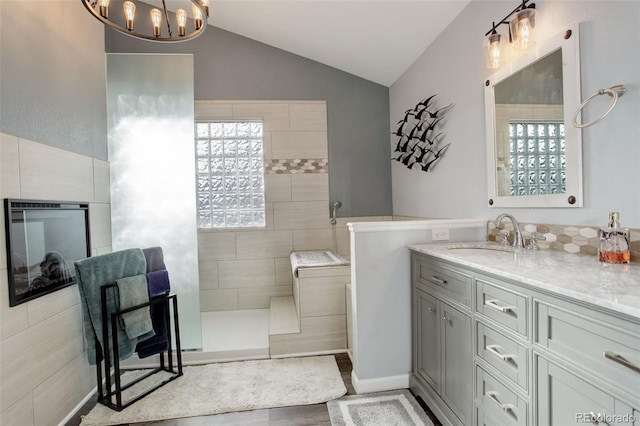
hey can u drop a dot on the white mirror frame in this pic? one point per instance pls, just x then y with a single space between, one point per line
573 136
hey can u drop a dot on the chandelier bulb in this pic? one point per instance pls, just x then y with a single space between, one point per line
104 8
129 8
205 5
197 16
156 19
181 16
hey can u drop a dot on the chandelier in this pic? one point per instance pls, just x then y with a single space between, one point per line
158 27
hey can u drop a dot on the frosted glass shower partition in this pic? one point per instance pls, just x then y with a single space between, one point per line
151 154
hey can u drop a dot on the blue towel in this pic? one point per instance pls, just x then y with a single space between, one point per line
133 291
158 343
94 272
158 283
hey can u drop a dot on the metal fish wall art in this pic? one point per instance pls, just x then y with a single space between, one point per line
420 142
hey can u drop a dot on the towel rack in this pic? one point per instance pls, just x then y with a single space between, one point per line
107 393
615 92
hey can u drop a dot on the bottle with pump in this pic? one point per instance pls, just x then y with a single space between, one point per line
614 242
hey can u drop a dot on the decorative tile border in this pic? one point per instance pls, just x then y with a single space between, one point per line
567 238
312 165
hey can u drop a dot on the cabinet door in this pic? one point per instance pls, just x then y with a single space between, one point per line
564 398
457 362
428 338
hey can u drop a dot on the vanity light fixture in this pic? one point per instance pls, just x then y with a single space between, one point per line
159 26
521 22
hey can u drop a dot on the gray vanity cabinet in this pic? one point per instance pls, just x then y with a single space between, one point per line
587 366
443 341
496 351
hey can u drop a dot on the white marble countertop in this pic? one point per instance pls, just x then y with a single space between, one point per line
580 277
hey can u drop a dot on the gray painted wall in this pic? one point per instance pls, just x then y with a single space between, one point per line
453 67
53 76
231 67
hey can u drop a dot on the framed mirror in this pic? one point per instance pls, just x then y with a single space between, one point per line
534 154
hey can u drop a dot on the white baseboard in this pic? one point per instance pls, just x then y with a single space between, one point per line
78 407
379 384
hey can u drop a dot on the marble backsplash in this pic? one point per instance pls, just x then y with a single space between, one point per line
567 238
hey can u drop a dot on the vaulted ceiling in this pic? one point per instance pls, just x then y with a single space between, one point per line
375 40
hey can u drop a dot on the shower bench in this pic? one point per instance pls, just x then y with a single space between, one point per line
314 319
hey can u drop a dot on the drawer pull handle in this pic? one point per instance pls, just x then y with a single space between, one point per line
492 304
493 395
438 280
493 350
620 360
432 310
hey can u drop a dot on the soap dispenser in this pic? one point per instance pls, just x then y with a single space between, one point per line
614 242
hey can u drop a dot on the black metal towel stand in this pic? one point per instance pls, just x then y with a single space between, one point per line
107 392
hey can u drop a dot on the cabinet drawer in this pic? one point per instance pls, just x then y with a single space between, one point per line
503 353
497 400
503 306
447 282
567 399
484 419
591 344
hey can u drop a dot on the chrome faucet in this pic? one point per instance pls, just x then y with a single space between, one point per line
517 235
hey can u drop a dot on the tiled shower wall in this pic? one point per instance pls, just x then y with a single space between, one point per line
243 268
44 372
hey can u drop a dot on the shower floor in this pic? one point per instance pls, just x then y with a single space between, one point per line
232 335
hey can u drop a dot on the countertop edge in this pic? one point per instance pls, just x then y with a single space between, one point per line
537 285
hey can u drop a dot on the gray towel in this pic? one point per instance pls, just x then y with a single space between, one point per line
93 272
132 291
155 258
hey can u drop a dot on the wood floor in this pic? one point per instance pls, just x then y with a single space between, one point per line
304 415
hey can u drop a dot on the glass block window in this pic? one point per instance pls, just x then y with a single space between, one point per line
537 158
230 174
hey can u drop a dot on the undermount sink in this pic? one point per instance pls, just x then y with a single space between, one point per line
484 246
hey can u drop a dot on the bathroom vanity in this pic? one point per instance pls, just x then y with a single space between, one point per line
519 337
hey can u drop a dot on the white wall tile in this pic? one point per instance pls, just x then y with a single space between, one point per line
57 396
308 117
216 245
50 173
275 117
20 414
9 167
317 334
212 109
33 355
301 215
208 272
264 244
246 273
266 145
277 187
284 275
309 187
323 296
44 307
314 239
101 181
12 320
100 224
299 145
260 298
218 300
